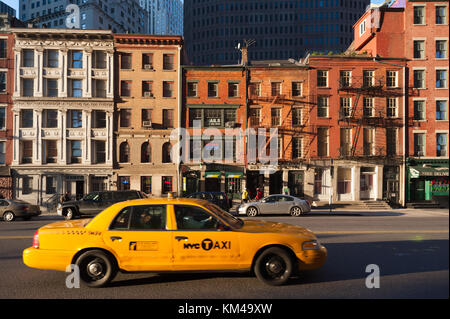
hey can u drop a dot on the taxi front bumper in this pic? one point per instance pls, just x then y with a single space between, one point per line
312 259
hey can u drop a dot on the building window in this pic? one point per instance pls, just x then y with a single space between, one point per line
391 141
322 141
419 15
125 61
75 119
147 61
99 88
233 89
50 119
255 89
276 88
124 152
168 62
51 88
2 82
100 152
51 58
146 184
345 79
346 141
441 49
369 141
344 180
2 152
28 58
166 153
441 79
229 117
322 78
194 115
99 59
419 110
98 119
125 118
213 89
255 116
76 88
3 48
168 88
275 114
27 185
368 78
125 88
419 144
441 110
368 107
322 106
76 59
146 117
362 28
441 15
296 89
296 147
123 183
391 79
192 89
345 106
146 153
2 118
27 87
51 151
26 118
441 144
391 107
167 119
419 49
296 117
318 178
27 152
419 79
147 89
166 186
50 185
75 152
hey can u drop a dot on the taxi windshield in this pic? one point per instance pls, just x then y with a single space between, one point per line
230 219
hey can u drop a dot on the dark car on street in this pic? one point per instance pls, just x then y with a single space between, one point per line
10 209
218 198
94 203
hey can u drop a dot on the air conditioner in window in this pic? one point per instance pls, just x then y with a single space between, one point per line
147 124
420 153
148 94
230 124
148 67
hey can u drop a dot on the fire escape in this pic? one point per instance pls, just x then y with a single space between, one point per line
380 107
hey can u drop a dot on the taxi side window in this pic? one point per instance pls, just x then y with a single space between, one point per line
194 218
121 222
148 217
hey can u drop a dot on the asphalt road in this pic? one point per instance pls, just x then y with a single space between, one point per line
410 249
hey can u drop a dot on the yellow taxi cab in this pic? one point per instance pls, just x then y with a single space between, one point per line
175 234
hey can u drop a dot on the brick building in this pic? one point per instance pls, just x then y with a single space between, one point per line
148 97
357 128
418 31
214 114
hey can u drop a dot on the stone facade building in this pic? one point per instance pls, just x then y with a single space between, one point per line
63 113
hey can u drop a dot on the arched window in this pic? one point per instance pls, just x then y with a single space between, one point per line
146 153
166 150
124 153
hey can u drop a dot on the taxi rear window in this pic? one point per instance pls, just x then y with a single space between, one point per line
143 217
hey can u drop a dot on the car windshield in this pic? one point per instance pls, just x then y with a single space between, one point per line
92 196
230 219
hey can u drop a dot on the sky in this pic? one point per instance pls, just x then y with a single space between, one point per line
15 3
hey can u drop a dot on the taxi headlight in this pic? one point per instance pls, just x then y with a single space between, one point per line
311 245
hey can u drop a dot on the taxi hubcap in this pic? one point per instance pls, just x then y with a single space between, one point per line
95 268
275 266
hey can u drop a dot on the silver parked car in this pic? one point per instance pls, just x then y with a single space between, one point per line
10 209
275 204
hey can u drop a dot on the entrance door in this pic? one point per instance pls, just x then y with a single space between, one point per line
367 189
79 189
276 183
419 190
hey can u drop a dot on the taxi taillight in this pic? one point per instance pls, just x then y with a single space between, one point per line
36 240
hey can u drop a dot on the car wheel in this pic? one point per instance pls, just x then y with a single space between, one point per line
9 217
252 211
274 266
296 211
70 214
97 269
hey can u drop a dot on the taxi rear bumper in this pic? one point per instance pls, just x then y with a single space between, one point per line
47 259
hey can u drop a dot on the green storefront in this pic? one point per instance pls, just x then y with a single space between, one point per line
427 180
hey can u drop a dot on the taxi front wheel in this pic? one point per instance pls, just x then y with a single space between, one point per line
97 269
274 266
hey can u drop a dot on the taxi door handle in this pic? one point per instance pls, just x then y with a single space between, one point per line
181 238
114 238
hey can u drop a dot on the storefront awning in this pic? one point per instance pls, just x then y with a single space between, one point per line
213 174
420 171
234 175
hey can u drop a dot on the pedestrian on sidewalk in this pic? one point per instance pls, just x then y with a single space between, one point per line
258 194
244 196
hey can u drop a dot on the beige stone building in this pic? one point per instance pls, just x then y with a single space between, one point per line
147 106
63 100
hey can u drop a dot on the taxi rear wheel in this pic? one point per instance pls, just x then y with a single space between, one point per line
97 269
274 266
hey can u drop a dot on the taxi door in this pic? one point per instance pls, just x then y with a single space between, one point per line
201 243
140 238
